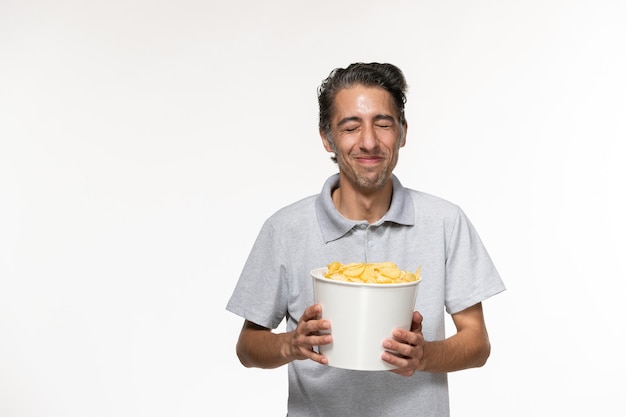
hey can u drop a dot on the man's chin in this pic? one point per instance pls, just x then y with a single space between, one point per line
371 185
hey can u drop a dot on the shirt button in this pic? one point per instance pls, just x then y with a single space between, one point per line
370 243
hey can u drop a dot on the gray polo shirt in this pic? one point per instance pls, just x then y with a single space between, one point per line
418 230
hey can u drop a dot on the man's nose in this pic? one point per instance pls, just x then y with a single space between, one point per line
369 140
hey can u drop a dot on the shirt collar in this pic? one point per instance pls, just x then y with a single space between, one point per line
333 225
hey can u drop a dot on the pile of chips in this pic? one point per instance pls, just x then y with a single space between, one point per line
370 273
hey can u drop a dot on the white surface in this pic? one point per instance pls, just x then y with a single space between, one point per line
143 143
361 317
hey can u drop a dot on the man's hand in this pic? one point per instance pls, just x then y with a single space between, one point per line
307 335
406 348
259 347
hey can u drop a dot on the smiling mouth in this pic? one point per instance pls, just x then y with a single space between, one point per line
369 159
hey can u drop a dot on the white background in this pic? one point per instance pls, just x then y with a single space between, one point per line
143 143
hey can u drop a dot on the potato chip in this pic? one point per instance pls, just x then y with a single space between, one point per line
354 270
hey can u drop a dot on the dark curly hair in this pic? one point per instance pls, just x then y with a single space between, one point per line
386 76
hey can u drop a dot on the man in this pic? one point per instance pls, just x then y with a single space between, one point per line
364 214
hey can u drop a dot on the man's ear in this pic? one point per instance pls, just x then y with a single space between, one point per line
327 145
405 127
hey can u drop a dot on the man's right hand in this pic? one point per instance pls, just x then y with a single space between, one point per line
307 335
259 347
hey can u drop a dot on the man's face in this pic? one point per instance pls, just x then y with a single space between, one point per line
366 137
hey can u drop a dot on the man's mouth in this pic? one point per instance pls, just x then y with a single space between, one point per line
369 159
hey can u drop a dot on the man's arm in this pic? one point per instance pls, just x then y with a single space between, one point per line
259 347
468 348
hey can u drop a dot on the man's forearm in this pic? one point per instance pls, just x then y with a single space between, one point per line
260 348
460 351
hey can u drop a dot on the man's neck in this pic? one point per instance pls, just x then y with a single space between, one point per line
355 205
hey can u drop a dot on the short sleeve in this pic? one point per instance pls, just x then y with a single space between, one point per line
471 276
261 292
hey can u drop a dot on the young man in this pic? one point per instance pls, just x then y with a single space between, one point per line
364 214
